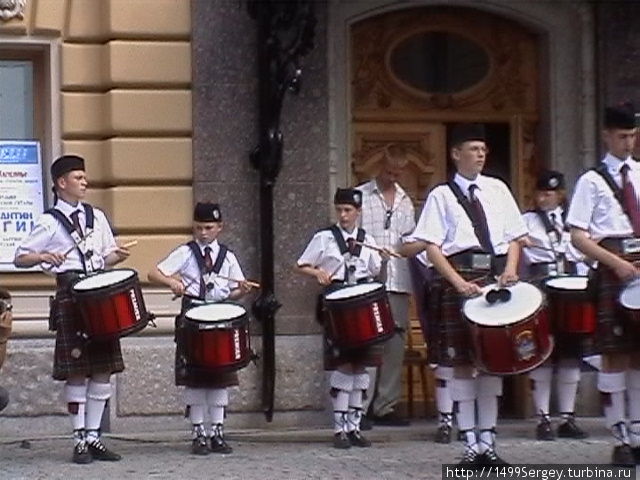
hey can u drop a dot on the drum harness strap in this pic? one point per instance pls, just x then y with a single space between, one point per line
344 248
466 206
217 265
73 233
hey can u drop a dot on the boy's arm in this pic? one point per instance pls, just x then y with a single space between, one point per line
156 276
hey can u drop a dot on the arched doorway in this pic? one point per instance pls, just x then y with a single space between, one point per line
416 72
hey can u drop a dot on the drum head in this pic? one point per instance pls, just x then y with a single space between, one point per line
103 279
353 291
526 299
630 295
215 312
567 283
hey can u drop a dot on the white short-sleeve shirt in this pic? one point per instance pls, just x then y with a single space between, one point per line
444 222
181 261
594 207
323 252
49 235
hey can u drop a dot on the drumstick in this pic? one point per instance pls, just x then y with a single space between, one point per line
378 249
130 244
248 282
69 250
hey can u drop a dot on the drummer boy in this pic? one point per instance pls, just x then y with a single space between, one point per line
548 253
70 240
336 257
469 228
203 271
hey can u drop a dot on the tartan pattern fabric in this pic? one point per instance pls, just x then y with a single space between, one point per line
74 354
188 376
450 339
615 333
370 356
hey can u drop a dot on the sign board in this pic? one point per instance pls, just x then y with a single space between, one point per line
21 195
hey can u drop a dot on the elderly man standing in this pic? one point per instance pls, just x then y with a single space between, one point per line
387 215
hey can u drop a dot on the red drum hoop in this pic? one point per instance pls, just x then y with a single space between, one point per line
359 315
570 306
111 304
216 337
630 300
509 337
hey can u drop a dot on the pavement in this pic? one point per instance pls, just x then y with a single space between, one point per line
397 453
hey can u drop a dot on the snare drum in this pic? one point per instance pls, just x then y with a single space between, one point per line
630 300
570 306
359 315
216 337
509 337
110 304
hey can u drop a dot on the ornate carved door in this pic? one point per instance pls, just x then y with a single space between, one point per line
416 72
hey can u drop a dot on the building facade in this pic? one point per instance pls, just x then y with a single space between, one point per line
160 97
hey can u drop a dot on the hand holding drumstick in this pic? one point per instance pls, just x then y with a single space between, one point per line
179 289
54 259
383 251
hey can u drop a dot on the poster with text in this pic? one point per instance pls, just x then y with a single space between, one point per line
21 195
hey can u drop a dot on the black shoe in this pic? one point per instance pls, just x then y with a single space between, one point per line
391 420
99 451
569 429
491 458
219 445
443 434
358 440
199 446
4 398
636 454
544 431
81 454
469 459
461 436
623 455
341 441
366 423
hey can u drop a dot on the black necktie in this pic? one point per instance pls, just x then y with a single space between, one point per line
208 261
555 225
630 200
480 220
75 219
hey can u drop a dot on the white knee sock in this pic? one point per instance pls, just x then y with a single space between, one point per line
489 389
444 402
341 387
217 400
541 389
76 397
360 385
633 392
614 384
97 396
568 378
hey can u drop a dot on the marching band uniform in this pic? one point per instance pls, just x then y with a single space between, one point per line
348 380
58 230
600 222
445 224
547 230
201 266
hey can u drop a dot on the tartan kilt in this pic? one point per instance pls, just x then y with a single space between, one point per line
369 356
615 332
193 377
450 342
566 345
75 355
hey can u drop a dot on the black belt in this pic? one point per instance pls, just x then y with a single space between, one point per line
340 282
65 279
551 268
477 261
621 245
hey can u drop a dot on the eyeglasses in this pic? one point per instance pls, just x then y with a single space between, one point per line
387 219
5 306
498 295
